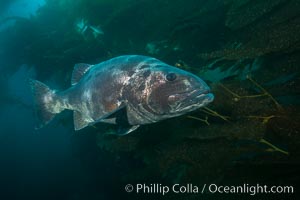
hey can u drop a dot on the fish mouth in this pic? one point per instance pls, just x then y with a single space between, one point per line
193 96
190 101
198 93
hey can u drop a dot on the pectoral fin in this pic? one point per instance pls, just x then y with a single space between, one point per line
125 130
121 120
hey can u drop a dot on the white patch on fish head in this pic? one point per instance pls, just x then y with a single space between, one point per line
124 79
187 84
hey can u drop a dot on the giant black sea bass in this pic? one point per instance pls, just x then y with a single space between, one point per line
128 91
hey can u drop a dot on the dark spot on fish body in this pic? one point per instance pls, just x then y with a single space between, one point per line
146 73
141 87
152 81
130 72
158 98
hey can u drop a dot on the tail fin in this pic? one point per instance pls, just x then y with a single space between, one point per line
46 102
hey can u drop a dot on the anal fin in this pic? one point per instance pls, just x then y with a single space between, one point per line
79 122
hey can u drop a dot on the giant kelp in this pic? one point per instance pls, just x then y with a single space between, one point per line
242 130
246 122
260 28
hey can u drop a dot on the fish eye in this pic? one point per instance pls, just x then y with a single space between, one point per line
171 76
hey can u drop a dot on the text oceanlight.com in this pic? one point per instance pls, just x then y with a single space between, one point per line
157 188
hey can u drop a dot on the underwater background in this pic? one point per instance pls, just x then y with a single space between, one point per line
248 51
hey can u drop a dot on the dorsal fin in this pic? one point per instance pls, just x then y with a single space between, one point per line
79 70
